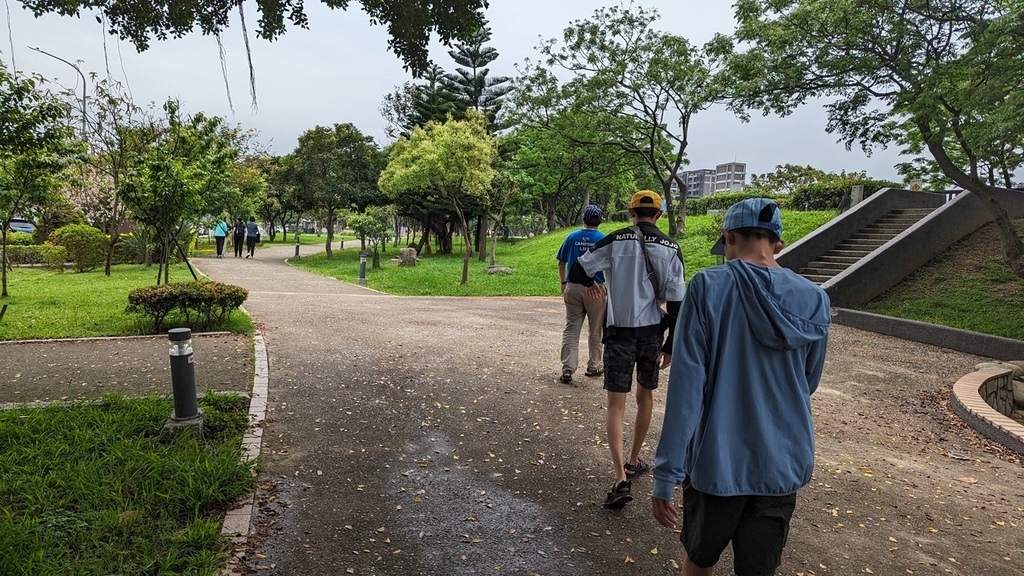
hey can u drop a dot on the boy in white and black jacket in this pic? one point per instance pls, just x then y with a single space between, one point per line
635 325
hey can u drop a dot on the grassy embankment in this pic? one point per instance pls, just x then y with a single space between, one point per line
968 286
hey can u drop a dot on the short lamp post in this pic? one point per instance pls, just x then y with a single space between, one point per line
183 384
296 242
362 269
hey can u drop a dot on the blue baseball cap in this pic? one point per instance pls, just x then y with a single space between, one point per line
751 213
592 215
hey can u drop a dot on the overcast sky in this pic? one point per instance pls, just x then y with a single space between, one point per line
340 69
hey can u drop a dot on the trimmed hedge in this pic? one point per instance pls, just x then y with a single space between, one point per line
833 195
200 303
722 200
19 239
52 256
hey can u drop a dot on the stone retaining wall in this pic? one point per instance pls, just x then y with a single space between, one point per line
971 402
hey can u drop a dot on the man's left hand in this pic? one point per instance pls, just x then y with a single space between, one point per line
665 512
664 360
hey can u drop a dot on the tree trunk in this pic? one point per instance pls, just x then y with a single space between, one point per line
467 240
3 258
423 239
330 233
666 195
481 237
1013 247
494 243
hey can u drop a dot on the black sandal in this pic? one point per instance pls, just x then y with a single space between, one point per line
634 470
620 495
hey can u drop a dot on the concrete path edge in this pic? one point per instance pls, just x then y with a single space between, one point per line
238 520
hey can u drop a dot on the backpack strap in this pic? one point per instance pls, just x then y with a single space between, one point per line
652 273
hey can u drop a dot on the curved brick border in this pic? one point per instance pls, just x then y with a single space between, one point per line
969 405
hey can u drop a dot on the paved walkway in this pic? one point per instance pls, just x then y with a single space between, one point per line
430 436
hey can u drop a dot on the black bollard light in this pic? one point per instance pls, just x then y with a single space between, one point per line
362 269
296 243
341 244
183 374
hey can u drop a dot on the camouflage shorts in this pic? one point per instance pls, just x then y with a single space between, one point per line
621 354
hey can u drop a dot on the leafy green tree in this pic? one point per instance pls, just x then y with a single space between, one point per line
336 168
274 202
945 73
787 178
409 22
238 195
645 84
557 177
187 160
116 140
54 214
397 109
36 146
451 161
372 228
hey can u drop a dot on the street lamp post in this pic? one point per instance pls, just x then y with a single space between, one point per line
85 85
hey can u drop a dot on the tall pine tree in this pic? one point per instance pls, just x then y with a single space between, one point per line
471 82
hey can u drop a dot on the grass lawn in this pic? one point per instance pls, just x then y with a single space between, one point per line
92 488
969 286
532 259
45 304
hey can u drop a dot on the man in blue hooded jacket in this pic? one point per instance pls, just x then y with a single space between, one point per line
748 353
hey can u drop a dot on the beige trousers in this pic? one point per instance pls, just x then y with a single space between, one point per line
578 305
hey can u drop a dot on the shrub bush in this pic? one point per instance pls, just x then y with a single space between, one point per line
834 194
86 245
200 303
19 239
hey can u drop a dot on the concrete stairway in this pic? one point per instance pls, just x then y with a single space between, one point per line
861 243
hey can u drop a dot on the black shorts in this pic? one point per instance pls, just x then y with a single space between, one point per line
622 353
757 526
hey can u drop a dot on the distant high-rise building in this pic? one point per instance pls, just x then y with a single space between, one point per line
698 182
730 176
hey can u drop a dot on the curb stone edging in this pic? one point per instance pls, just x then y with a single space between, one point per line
238 520
972 408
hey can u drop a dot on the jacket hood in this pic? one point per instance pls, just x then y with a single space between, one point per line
773 325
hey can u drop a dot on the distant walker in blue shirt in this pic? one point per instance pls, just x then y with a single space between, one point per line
578 304
738 437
